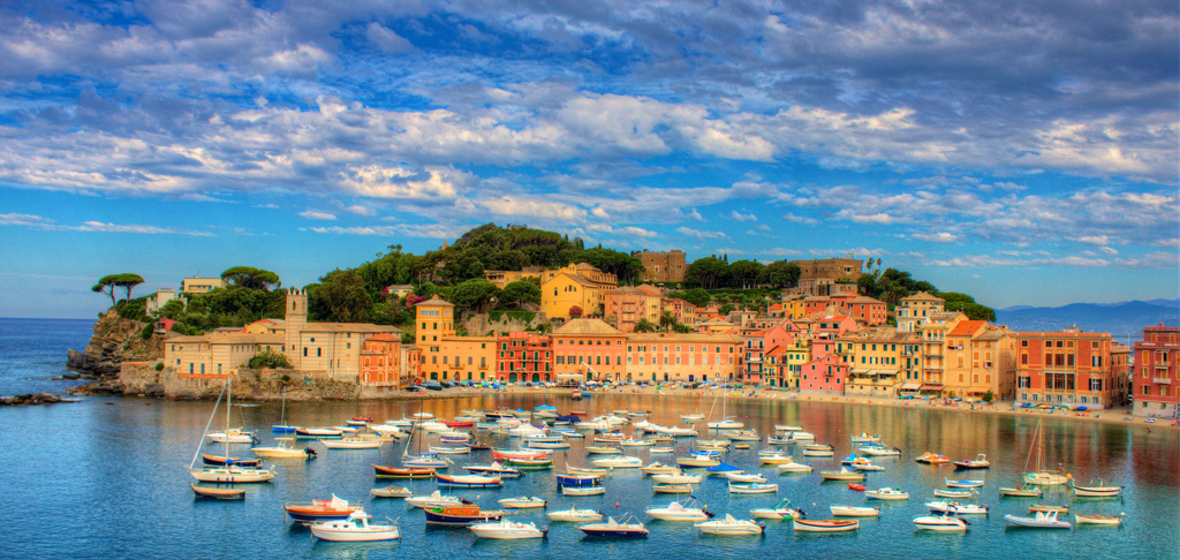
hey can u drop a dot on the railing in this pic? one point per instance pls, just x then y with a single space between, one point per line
1161 380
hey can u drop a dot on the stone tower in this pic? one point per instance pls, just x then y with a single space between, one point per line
296 319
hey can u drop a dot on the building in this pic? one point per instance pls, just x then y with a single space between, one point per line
755 344
826 375
915 309
1070 368
524 356
387 364
215 355
681 357
502 278
198 285
817 276
628 306
397 291
881 360
591 348
980 359
445 356
933 335
667 266
580 285
156 301
1157 379
684 312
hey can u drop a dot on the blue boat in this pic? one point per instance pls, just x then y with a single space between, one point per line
579 480
283 429
723 468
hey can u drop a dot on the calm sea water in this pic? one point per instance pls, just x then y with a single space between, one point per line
107 478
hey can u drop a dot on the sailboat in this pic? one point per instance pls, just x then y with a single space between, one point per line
230 473
421 460
1040 476
282 427
725 423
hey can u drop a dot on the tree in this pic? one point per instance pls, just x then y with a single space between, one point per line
250 277
780 274
107 284
340 297
708 272
575 312
744 273
698 297
726 309
667 321
474 293
268 359
645 326
521 292
683 328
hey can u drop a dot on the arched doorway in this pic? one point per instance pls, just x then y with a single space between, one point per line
512 378
536 378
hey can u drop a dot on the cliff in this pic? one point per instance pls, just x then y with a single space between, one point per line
115 340
144 379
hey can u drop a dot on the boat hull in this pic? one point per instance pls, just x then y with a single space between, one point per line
825 526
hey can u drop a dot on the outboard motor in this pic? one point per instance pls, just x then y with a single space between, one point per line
311 454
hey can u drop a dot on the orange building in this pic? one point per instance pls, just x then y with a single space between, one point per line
628 306
524 356
1156 378
1070 368
684 357
591 348
387 364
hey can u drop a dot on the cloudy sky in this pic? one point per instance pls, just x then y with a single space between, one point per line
1022 151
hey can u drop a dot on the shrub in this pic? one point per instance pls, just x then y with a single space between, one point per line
160 366
268 359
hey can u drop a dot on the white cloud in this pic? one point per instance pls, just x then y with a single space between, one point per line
317 215
360 210
940 237
735 215
800 219
46 224
386 39
700 234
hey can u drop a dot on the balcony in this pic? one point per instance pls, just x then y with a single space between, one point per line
1161 380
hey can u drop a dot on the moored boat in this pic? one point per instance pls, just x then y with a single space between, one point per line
494 469
522 502
677 511
932 459
781 510
319 510
940 523
1098 519
826 525
1096 490
459 515
222 460
671 488
352 443
574 515
1021 492
957 508
506 530
583 490
618 462
731 527
752 488
854 511
391 492
966 483
469 481
1040 520
354 528
612 528
218 493
979 462
794 468
952 493
842 474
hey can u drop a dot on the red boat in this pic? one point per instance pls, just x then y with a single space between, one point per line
403 472
578 412
857 487
363 418
321 510
459 424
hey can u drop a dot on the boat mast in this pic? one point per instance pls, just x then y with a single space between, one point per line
229 404
212 415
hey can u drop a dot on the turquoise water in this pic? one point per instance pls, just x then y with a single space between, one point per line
107 478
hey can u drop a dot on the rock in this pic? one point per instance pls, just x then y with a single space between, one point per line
186 395
75 359
26 400
155 390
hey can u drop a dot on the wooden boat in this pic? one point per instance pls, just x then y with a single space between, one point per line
352 443
744 477
531 464
446 450
477 446
469 481
781 510
391 492
730 526
690 418
585 470
671 488
932 459
677 477
218 493
968 483
856 487
355 528
887 494
583 490
1021 492
943 522
630 442
752 488
787 428
507 454
1099 490
741 435
612 528
404 472
222 460
1098 519
363 419
979 462
854 511
1042 520
522 502
794 468
494 469
1045 508
459 515
658 468
603 450
507 530
1039 475
318 433
574 515
547 444
774 459
958 494
425 461
826 525
842 474
319 510
818 453
578 479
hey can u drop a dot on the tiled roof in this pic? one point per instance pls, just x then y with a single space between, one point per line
585 325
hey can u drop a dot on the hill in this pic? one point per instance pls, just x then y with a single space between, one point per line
1121 320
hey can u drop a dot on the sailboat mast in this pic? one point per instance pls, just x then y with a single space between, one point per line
212 415
229 404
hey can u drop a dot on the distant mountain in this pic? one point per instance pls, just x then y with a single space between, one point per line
1120 319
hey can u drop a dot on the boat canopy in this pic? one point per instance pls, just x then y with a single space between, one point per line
723 467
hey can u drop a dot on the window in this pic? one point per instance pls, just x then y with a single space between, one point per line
319 352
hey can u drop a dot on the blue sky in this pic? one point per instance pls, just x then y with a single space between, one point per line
1024 152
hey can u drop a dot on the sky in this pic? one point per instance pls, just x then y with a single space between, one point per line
1025 152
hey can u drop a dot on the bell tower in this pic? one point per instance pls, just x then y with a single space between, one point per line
296 319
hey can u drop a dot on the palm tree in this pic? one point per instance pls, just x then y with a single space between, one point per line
645 326
667 321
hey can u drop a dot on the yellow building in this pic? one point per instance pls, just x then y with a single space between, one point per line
502 278
795 307
198 285
881 360
580 285
214 355
916 309
446 357
797 354
933 335
980 358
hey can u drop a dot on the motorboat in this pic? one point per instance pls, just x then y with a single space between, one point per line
347 429
741 435
677 432
818 453
752 488
283 450
940 523
404 472
966 483
612 528
318 433
1021 492
726 424
1040 520
862 464
522 502
957 508
662 450
689 418
603 450
508 454
887 494
731 526
461 515
391 492
494 469
678 477
677 511
354 528
864 437
826 525
771 440
435 498
618 462
631 442
1045 508
233 435
574 515
723 469
979 462
1095 519
583 490
880 451
856 487
854 511
319 510
429 426
533 444
388 430
801 436
932 459
843 474
698 460
218 493
671 488
744 477
469 481
352 443
781 510
1097 488
506 530
658 468
794 468
775 458
957 494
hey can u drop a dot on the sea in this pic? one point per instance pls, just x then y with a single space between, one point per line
107 477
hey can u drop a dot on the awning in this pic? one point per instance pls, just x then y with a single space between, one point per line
570 377
932 387
910 386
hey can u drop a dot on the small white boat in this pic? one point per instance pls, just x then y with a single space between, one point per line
232 474
603 450
802 436
781 510
880 451
794 468
547 444
574 515
388 430
738 476
887 494
232 436
1022 492
583 490
612 528
692 417
435 498
391 492
662 450
866 438
731 526
283 450
727 424
752 488
618 462
842 474
658 468
741 435
677 511
671 488
971 483
826 525
631 442
1040 520
940 523
1097 489
351 443
854 511
678 432
959 494
774 459
979 462
522 502
699 460
506 530
1098 519
355 528
678 477
957 508
469 481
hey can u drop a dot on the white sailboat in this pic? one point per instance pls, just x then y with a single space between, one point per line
1040 476
725 423
231 473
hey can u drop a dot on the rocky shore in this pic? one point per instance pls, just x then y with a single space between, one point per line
31 400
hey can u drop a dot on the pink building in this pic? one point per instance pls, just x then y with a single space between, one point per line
1156 379
824 375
